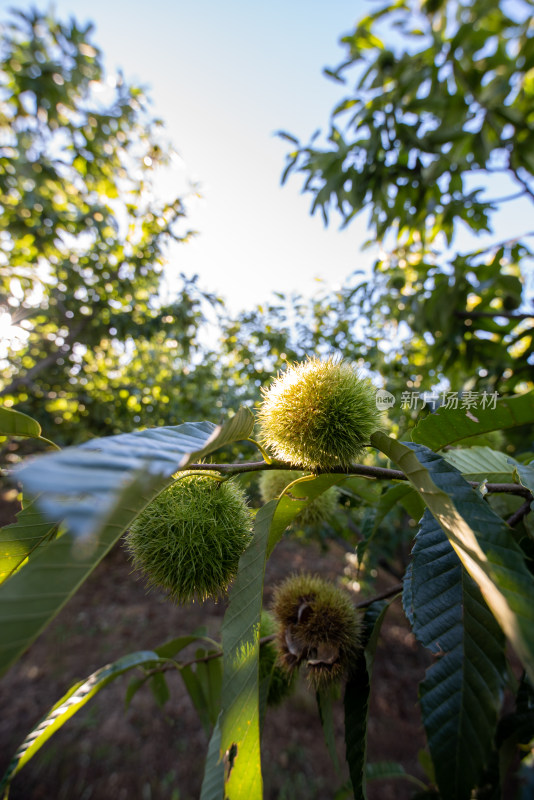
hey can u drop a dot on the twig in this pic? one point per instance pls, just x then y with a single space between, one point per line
382 596
264 639
380 473
518 515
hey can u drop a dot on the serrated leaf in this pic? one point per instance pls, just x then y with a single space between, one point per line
120 480
21 538
461 692
77 696
482 463
240 719
356 701
447 425
482 541
105 483
32 597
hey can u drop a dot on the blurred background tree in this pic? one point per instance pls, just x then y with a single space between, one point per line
435 140
98 348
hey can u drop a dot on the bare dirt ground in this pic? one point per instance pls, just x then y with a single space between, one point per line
148 753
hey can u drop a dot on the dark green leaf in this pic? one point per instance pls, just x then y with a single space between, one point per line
356 701
480 538
461 693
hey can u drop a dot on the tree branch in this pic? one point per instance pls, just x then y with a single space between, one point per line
518 515
379 473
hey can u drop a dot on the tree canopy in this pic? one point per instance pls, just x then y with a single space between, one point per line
83 240
442 107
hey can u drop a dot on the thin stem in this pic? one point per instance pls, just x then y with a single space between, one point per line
264 639
382 596
265 454
518 515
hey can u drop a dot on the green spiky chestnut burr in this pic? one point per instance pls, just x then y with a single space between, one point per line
322 508
318 414
189 540
281 683
318 627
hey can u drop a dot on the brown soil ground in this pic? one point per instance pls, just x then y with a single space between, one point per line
148 753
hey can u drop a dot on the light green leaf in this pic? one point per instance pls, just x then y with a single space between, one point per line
105 483
77 696
447 426
240 719
461 694
480 538
15 423
482 463
21 538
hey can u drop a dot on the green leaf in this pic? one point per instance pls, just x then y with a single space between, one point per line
356 701
196 693
32 597
239 721
446 426
480 538
159 687
525 473
171 648
15 423
77 696
324 705
213 780
461 693
21 538
105 483
209 674
482 463
389 770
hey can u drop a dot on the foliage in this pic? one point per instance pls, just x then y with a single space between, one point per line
469 586
82 246
432 111
435 114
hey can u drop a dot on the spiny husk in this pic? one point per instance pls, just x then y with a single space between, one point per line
321 509
189 539
318 414
318 627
